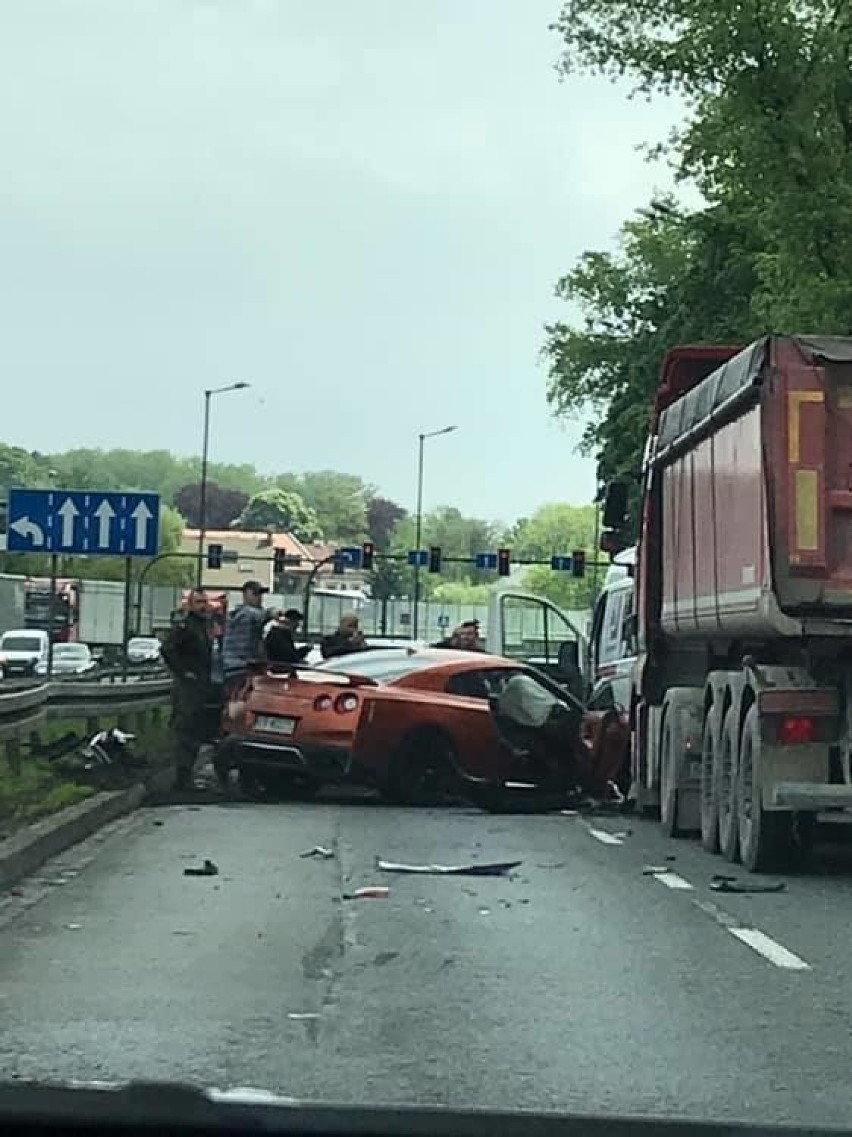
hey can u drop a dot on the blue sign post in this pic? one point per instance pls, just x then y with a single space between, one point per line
486 560
418 557
351 556
83 523
560 563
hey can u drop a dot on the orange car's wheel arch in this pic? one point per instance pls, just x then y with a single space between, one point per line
422 769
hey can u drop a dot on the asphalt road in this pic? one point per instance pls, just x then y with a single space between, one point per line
581 983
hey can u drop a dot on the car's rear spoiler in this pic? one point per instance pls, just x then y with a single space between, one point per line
283 670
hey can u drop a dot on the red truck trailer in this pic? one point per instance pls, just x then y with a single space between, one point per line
741 716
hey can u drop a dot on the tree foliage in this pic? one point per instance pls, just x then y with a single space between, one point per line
222 506
383 516
338 500
557 528
768 142
282 512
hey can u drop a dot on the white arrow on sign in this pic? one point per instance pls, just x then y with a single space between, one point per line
68 511
141 515
104 514
28 530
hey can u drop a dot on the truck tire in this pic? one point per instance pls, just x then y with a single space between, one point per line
765 836
710 783
729 833
668 783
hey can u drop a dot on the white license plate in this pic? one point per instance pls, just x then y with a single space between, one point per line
275 724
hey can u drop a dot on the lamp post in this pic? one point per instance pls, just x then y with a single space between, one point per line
202 504
422 437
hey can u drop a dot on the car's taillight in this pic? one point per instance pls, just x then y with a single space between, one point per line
323 703
345 704
235 709
797 729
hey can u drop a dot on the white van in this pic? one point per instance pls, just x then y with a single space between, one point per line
23 652
612 645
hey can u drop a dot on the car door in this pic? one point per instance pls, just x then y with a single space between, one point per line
531 630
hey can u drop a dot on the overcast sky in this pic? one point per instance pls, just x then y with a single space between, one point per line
358 206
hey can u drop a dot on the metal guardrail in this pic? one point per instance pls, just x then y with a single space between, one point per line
23 710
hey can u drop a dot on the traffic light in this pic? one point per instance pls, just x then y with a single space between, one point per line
578 563
503 566
435 558
338 564
279 561
214 556
367 551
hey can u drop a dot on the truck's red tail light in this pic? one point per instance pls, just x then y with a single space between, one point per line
322 703
345 704
797 730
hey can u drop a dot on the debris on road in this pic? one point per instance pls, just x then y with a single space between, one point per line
299 1016
655 870
721 883
207 869
372 892
73 927
318 851
495 868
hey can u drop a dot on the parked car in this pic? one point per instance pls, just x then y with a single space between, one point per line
143 649
418 724
22 651
69 659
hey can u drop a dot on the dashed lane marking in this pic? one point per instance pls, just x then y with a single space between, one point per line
758 941
672 880
605 838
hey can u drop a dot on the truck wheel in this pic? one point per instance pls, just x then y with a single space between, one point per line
765 836
727 781
709 786
668 784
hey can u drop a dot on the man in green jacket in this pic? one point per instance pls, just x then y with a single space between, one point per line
188 653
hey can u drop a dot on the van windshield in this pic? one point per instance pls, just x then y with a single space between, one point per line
20 643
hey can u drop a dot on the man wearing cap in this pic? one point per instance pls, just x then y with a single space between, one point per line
280 643
242 644
464 638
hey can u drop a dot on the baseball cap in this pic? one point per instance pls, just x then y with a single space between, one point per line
293 614
254 586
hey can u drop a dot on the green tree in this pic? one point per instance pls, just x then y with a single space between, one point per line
283 512
338 500
768 142
457 536
557 528
678 277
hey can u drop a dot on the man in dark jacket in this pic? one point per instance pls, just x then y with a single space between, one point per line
464 638
346 639
188 652
280 639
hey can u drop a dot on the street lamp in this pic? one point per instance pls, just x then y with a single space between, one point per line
202 505
423 437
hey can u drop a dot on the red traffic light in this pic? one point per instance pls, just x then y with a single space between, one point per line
578 563
503 562
368 550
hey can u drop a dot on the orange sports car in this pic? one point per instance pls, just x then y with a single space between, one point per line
418 724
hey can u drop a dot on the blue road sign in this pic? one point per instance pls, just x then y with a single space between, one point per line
443 621
418 557
561 563
350 555
83 523
486 560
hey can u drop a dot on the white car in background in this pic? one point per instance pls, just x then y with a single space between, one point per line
314 656
143 649
69 659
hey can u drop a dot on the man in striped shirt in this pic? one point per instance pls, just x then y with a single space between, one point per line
243 641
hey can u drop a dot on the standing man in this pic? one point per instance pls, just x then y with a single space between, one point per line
346 639
243 641
280 640
188 651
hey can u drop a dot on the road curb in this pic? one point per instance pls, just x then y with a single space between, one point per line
28 850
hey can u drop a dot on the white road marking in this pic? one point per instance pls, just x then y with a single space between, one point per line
672 880
604 837
769 949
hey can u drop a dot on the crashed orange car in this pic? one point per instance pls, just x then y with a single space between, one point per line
419 725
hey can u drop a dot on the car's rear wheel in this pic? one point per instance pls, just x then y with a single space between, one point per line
422 772
266 785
